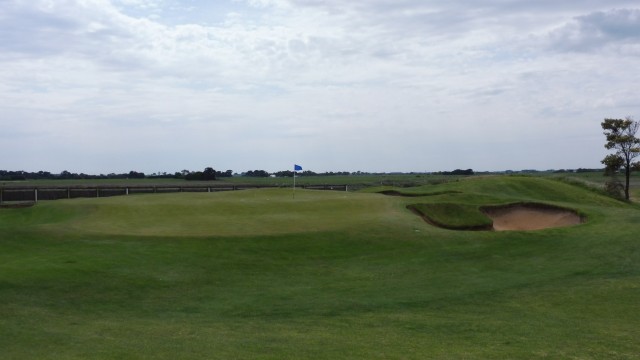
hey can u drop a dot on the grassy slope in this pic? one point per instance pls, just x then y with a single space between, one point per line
454 216
257 274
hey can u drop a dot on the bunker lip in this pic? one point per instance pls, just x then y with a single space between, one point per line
530 216
520 216
432 222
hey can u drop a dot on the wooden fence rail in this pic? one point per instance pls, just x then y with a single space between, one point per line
38 193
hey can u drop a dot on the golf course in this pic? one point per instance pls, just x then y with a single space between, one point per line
367 274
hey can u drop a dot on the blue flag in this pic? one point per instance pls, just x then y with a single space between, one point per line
297 168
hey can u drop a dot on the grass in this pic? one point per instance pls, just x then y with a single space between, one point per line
258 274
454 216
355 181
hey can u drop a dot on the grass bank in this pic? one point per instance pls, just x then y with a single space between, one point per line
453 216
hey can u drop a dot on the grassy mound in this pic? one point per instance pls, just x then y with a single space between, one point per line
453 216
257 274
417 191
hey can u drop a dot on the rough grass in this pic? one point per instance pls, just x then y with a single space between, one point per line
357 181
257 274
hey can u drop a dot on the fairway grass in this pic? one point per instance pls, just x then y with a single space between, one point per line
258 274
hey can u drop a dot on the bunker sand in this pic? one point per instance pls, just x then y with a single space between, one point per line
530 217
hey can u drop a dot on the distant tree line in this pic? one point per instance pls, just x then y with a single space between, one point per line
208 174
257 173
21 175
211 174
456 172
578 170
6 175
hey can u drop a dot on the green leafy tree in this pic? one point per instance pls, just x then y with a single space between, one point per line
621 137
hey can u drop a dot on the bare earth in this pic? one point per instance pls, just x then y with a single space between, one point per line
529 218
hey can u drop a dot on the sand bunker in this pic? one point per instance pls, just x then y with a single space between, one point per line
530 217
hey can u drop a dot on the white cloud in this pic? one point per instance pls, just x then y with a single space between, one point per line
380 85
618 29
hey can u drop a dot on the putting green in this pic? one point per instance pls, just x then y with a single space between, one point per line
248 212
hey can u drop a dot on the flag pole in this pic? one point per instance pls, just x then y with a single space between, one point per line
295 172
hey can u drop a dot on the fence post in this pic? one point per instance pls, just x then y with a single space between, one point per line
35 195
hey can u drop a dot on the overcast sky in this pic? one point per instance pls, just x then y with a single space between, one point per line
101 86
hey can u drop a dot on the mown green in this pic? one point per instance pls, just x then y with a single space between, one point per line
260 274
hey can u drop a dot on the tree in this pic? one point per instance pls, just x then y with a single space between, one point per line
136 175
621 137
228 173
206 175
284 173
257 173
194 176
209 174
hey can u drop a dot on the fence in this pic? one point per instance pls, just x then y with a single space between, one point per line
38 193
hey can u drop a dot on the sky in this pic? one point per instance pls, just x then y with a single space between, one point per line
110 86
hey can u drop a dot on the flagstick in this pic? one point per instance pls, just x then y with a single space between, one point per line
294 184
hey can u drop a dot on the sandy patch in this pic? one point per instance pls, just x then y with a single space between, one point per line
530 217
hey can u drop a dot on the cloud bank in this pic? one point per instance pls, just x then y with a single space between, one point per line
162 85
